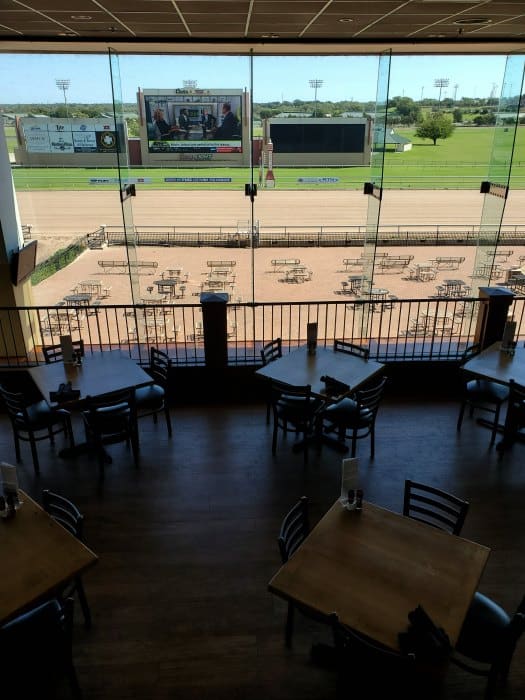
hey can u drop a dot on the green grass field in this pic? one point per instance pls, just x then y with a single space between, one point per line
460 162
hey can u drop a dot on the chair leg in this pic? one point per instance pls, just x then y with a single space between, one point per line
274 436
134 437
17 446
495 425
289 625
34 453
268 409
168 419
460 417
354 442
372 442
79 586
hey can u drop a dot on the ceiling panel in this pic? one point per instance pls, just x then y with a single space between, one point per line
286 19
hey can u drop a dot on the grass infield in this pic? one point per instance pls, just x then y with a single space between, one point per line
460 162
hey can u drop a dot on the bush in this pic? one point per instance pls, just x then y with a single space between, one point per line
62 258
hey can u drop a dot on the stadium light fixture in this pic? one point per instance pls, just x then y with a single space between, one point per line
315 83
189 84
63 84
441 83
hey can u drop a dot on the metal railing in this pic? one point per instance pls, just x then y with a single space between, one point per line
401 330
318 236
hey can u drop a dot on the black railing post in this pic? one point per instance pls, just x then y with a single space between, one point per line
493 314
214 324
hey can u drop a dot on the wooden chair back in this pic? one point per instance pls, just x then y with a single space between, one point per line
64 512
294 529
351 349
434 506
53 353
272 351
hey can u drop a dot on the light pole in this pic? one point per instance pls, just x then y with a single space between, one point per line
441 83
63 84
455 91
315 83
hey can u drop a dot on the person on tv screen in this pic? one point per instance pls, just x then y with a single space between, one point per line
208 122
163 130
230 127
184 123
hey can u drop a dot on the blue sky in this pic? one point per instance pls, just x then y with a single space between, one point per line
31 77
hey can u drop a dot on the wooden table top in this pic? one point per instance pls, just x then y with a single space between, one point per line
100 373
372 568
39 556
298 368
498 366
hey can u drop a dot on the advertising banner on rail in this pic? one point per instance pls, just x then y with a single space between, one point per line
193 121
44 135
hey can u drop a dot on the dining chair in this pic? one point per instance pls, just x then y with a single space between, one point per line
433 506
295 410
270 352
27 421
154 398
487 641
111 418
351 349
355 417
366 668
53 353
515 418
36 652
295 528
65 513
481 394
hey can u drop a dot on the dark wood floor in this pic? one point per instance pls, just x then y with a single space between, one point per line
187 544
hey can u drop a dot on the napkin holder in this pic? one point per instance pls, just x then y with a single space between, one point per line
508 344
66 347
350 495
64 393
333 387
311 337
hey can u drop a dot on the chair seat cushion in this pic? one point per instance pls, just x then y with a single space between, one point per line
42 416
347 412
482 631
149 396
295 409
484 390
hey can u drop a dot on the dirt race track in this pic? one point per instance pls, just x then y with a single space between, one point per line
58 214
57 217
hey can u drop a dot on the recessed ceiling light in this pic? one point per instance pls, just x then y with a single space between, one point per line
436 36
81 17
473 21
346 19
269 36
66 34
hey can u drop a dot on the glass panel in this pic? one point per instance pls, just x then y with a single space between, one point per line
61 144
190 146
374 191
126 182
489 258
311 212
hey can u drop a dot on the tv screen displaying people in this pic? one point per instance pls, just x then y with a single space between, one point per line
196 121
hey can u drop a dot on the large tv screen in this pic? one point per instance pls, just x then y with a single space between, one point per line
195 121
23 262
318 138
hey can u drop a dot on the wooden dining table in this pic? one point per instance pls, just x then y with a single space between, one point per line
39 558
100 373
300 368
498 366
373 567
